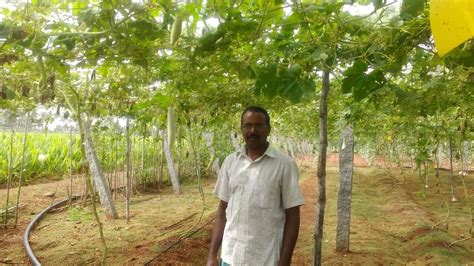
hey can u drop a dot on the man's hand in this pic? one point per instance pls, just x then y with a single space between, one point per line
290 235
212 262
217 233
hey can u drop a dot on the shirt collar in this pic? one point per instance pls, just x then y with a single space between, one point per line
270 152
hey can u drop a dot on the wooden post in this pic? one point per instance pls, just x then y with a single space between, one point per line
346 167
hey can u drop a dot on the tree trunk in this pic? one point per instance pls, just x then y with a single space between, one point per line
171 120
323 145
70 167
84 164
9 178
425 174
440 154
464 173
197 162
437 161
127 172
214 161
235 140
465 156
346 166
451 170
115 152
123 174
291 151
178 153
131 166
170 164
98 221
96 170
142 159
155 161
22 166
110 163
162 162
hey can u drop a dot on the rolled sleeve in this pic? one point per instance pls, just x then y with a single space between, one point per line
290 187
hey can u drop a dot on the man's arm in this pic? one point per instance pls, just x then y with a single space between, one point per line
290 234
217 233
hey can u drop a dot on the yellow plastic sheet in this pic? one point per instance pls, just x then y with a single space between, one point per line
452 23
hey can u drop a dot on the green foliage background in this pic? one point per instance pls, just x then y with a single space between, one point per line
102 59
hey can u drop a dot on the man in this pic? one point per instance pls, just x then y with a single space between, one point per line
258 217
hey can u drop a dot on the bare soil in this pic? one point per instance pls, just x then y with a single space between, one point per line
393 221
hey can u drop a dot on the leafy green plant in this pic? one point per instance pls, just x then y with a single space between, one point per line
77 214
157 248
45 155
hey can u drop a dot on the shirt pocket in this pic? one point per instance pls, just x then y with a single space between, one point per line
267 190
264 201
267 198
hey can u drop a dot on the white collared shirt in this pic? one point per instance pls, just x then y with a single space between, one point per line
257 192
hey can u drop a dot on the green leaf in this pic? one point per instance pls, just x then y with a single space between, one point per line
268 77
207 43
6 93
412 8
353 76
366 84
292 22
295 71
56 64
357 68
265 83
154 12
159 100
334 7
298 88
359 82
318 55
462 56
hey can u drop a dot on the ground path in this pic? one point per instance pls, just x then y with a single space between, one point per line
34 199
389 224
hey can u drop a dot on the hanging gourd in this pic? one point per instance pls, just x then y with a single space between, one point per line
176 29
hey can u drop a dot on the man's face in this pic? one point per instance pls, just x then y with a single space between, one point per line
254 130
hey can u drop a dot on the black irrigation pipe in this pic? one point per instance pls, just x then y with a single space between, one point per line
26 235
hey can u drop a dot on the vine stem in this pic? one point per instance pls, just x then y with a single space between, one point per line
97 218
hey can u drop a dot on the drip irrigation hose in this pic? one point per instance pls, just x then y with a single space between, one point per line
26 235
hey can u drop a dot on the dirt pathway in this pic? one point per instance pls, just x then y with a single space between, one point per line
388 224
35 198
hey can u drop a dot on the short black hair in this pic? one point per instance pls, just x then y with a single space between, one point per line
256 109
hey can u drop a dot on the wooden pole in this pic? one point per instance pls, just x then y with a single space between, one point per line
20 178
